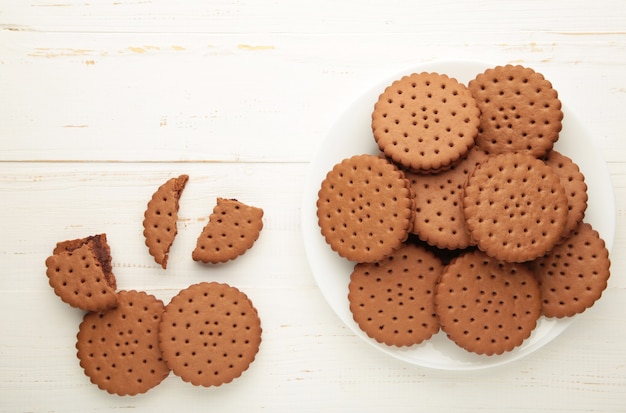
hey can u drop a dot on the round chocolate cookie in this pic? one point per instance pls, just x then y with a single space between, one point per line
487 306
425 121
515 207
119 348
210 333
365 208
520 111
392 300
574 274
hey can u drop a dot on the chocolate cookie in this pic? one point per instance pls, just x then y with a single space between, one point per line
520 111
425 121
99 245
159 224
573 181
392 300
119 348
487 306
515 207
80 273
210 333
365 208
232 229
439 218
574 274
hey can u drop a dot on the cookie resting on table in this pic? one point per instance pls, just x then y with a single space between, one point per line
233 228
119 348
80 273
210 333
159 224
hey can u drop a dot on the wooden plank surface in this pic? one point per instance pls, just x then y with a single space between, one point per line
103 101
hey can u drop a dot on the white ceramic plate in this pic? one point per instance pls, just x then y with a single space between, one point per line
351 135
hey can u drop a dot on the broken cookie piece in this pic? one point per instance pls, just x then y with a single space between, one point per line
80 273
232 229
159 224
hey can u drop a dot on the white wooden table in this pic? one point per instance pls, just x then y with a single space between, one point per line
101 102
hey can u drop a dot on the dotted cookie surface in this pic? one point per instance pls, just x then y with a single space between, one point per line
119 348
574 274
100 248
365 208
160 218
392 301
487 306
425 121
210 333
573 181
520 111
515 207
439 218
232 229
81 275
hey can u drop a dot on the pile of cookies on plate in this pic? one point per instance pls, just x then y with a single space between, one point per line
467 220
129 341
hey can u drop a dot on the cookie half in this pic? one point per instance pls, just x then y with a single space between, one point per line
80 273
232 229
119 349
159 224
515 207
487 306
210 333
392 300
425 121
520 111
365 208
574 274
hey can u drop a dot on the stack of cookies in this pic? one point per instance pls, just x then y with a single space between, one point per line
467 220
129 341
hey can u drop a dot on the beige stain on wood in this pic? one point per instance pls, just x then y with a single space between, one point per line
143 49
50 53
61 52
149 48
255 48
53 5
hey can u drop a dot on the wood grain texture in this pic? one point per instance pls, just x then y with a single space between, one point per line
104 101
